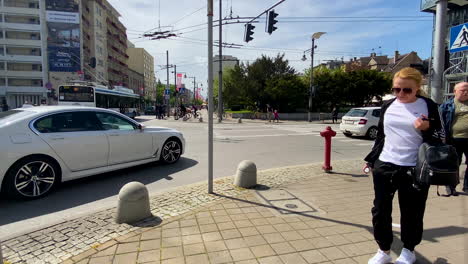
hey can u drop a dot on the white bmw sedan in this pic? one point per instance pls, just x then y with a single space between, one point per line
43 146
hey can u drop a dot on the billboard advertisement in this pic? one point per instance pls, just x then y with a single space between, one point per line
62 5
62 59
63 35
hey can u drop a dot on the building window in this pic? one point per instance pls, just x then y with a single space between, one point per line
23 51
22 3
2 82
100 62
2 65
22 19
22 35
25 82
18 66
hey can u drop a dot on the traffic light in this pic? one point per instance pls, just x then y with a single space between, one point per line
271 21
248 32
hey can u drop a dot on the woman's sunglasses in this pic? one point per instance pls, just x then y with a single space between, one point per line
405 90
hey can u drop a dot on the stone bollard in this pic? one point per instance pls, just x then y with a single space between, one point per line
239 120
246 175
133 203
200 119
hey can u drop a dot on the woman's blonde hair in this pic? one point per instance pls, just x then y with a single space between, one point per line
412 74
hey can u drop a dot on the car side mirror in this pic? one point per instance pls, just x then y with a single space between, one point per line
141 127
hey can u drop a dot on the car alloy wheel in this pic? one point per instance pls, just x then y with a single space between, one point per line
171 151
34 179
372 133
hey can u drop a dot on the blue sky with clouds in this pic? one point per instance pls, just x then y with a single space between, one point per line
353 29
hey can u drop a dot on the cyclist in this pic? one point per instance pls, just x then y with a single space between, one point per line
183 109
194 108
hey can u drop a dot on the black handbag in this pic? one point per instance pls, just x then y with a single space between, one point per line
437 165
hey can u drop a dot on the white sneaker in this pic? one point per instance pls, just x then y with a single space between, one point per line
380 258
406 257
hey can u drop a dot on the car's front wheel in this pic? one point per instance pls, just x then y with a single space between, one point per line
32 178
171 151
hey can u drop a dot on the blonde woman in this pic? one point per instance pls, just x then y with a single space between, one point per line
405 123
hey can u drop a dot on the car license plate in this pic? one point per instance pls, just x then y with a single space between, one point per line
349 122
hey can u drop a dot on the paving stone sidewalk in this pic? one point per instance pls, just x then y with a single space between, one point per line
302 215
323 218
59 242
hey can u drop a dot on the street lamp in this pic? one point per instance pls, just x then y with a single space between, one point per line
315 36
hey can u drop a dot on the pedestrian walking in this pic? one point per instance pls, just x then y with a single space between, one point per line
269 112
334 115
276 116
454 113
405 123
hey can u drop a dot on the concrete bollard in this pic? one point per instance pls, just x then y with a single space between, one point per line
239 120
133 203
246 176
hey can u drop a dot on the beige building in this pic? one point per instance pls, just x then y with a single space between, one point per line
136 82
142 62
117 58
95 40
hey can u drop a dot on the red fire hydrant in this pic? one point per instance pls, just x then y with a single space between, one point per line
328 133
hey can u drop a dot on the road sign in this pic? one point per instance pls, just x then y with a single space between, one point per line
458 38
182 90
167 92
167 96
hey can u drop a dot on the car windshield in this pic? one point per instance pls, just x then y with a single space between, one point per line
357 112
12 115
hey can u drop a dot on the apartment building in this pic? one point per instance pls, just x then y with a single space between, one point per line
142 62
22 71
95 53
117 58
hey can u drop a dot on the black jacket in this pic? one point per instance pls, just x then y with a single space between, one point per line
433 135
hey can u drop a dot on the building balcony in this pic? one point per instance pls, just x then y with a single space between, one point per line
25 89
23 42
21 10
25 74
20 26
2 90
21 58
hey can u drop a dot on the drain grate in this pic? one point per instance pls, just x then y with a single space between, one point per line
285 202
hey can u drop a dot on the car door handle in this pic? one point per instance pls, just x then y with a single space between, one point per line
114 135
57 138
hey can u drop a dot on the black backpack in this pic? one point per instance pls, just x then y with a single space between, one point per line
437 165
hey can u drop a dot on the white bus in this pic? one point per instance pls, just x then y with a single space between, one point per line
119 99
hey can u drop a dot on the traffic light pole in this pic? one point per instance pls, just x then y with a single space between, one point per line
167 84
210 96
220 73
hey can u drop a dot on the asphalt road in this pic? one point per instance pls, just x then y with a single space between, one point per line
268 145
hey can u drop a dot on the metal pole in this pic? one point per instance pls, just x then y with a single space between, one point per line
311 79
439 51
210 96
167 83
194 90
220 72
175 86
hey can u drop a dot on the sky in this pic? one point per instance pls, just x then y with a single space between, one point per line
353 29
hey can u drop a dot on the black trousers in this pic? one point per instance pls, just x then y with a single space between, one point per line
389 178
461 145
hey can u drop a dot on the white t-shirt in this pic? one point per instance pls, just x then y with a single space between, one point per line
402 139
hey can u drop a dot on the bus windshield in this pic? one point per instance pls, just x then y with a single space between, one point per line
76 94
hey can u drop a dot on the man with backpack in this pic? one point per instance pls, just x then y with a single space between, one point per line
454 114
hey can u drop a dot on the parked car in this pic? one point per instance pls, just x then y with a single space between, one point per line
150 110
43 146
362 121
